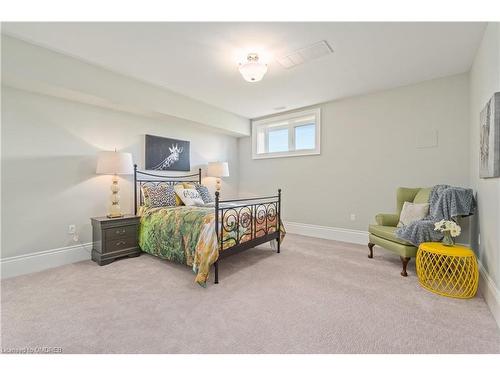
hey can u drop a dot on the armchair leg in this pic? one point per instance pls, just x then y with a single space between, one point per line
370 246
405 261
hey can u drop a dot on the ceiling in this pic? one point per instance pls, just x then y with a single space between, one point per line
199 60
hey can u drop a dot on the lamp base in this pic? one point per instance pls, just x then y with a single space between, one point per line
115 210
114 216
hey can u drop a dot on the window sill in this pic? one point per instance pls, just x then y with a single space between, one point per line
286 154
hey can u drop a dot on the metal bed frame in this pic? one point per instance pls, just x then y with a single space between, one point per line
241 217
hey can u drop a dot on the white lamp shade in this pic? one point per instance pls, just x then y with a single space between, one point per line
112 162
218 169
253 71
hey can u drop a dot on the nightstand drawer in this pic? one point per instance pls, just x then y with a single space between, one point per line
120 244
121 232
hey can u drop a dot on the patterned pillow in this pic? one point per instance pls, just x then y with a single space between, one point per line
202 190
159 195
205 194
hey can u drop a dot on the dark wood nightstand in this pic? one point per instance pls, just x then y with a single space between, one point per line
113 238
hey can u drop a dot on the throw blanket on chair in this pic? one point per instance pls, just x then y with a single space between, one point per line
446 202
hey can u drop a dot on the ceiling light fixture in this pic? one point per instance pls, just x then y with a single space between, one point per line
252 70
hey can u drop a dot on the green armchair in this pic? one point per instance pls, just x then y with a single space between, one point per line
382 234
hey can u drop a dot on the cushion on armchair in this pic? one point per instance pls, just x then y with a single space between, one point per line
386 232
390 220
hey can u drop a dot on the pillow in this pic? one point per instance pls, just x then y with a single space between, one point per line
178 200
190 197
412 212
160 195
202 189
204 193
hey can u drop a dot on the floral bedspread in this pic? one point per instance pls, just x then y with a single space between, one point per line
186 235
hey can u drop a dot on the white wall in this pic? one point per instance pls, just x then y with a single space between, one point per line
368 149
484 81
49 149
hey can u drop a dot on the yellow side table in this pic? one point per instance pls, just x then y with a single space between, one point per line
447 270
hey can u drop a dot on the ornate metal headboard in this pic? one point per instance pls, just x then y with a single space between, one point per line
145 178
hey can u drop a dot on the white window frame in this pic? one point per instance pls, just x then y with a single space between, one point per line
288 122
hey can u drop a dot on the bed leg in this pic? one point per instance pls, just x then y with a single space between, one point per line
278 245
216 273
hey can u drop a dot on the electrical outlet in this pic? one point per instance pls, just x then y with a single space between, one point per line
71 229
353 217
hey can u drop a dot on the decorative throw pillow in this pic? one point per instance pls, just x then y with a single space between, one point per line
412 212
190 197
178 200
204 193
160 195
202 189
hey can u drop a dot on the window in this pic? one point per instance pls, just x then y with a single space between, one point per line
293 134
278 140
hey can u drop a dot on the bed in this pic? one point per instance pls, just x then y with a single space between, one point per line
201 236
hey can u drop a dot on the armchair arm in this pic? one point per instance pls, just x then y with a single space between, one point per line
390 220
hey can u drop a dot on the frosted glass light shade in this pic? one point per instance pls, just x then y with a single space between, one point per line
112 162
252 70
218 169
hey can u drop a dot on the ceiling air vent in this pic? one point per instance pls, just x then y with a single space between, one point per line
305 54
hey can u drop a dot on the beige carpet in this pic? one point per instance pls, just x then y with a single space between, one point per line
317 296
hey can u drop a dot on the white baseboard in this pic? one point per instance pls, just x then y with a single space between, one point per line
329 233
490 292
42 260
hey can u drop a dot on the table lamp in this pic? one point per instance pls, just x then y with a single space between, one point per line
114 163
218 169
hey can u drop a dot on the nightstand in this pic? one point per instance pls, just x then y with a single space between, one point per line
114 238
